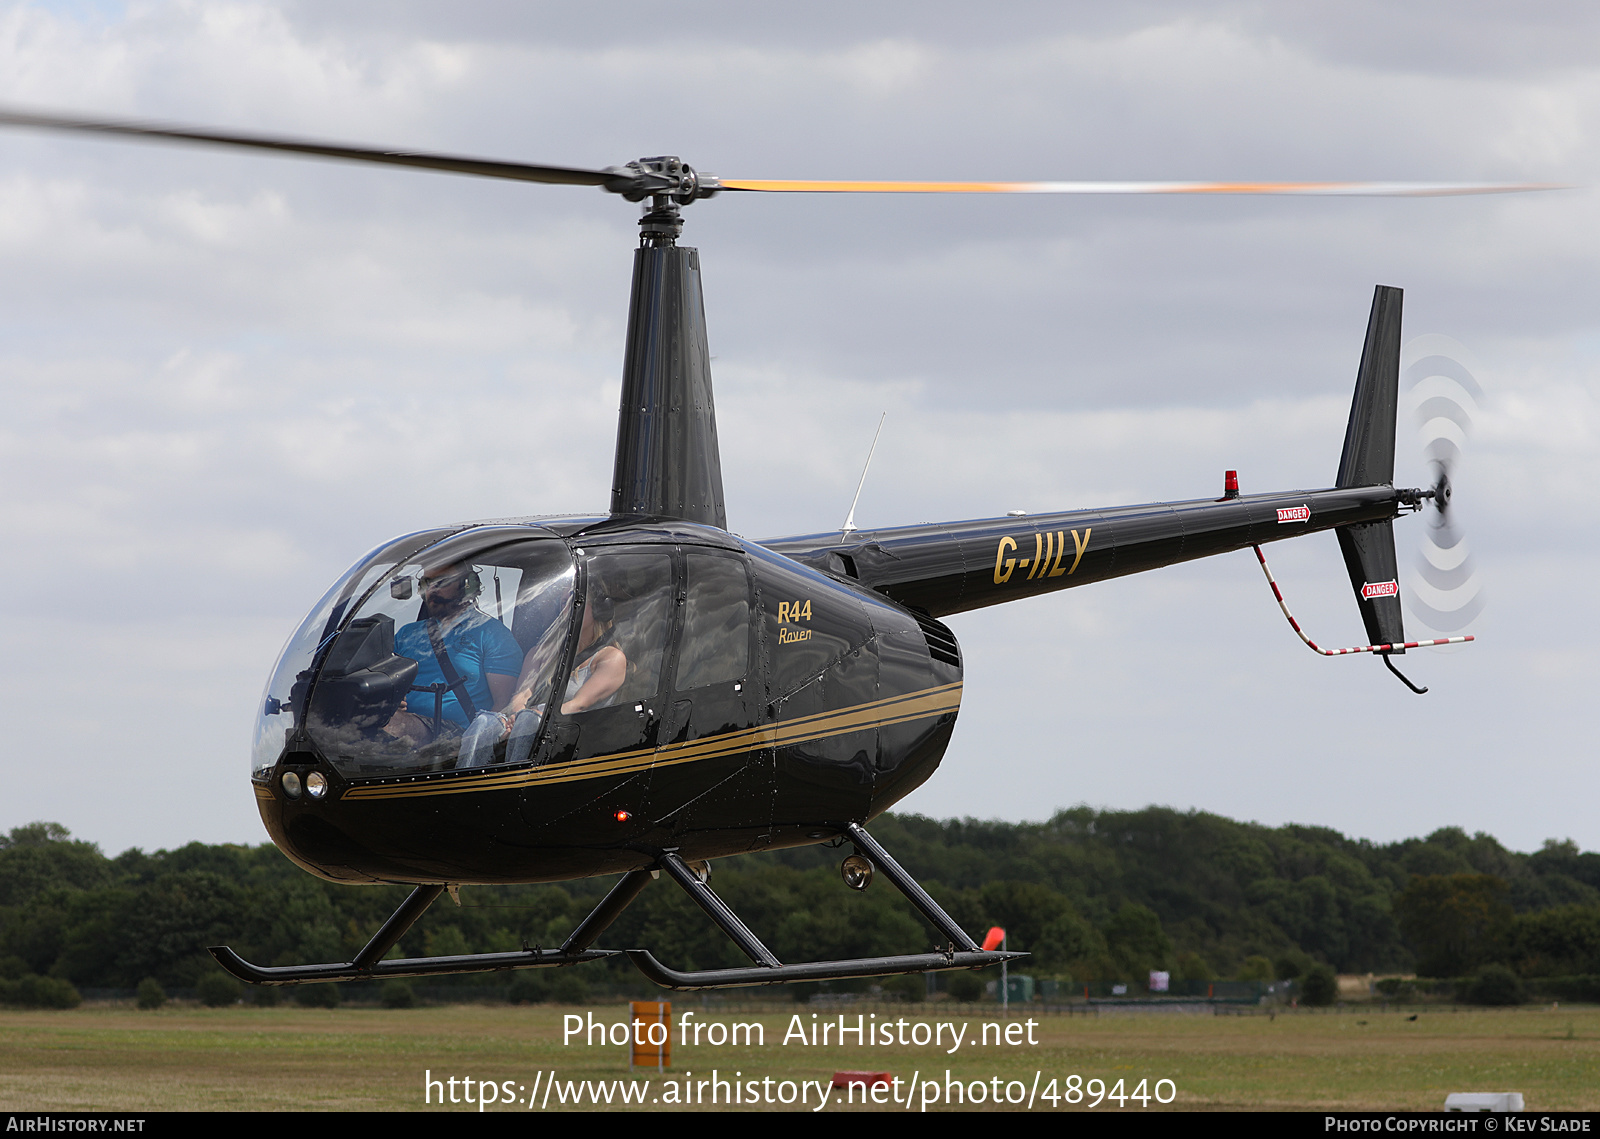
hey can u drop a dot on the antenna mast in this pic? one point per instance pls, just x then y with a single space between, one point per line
849 526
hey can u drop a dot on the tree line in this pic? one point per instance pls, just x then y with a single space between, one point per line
1093 895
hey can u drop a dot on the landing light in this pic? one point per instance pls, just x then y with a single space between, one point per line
316 784
290 784
856 872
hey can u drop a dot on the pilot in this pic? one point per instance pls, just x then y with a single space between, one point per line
458 645
598 671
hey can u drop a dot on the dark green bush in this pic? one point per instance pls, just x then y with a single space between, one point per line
151 994
398 994
568 987
907 986
50 992
32 991
318 996
1256 968
1495 985
1288 967
1579 988
217 990
527 989
965 986
1319 986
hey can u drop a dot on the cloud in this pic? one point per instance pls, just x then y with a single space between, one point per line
225 376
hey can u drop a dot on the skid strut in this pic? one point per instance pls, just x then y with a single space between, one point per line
963 953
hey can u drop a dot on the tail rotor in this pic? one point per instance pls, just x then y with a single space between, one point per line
1445 592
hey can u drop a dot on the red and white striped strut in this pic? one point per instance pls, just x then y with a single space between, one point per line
1295 625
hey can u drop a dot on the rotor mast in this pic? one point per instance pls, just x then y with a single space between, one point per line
667 460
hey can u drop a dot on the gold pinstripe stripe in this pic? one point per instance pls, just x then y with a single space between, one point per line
878 713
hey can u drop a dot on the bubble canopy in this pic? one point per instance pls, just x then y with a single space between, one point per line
422 656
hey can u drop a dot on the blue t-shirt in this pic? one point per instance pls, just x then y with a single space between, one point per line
477 645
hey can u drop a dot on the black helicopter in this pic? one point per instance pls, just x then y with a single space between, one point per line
538 699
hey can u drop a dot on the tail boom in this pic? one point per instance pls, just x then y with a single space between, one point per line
953 567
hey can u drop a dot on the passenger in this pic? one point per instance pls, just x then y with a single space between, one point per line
455 644
600 666
598 671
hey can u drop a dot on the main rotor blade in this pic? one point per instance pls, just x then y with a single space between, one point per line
638 181
481 167
1350 189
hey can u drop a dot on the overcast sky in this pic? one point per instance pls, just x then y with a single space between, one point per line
226 376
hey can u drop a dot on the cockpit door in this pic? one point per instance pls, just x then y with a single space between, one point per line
629 615
713 693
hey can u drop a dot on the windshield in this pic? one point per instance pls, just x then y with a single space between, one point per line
419 645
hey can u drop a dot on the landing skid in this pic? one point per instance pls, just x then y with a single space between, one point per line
369 964
963 952
400 966
667 978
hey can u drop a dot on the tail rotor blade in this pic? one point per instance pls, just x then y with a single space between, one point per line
1445 620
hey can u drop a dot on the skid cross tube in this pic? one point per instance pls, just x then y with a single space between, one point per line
963 953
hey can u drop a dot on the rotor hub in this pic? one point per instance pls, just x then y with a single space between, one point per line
666 176
1441 490
670 183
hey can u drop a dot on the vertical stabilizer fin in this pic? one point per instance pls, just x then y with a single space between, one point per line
1368 458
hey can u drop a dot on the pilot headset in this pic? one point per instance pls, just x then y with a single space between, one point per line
471 582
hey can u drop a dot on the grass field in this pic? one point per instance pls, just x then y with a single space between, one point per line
119 1058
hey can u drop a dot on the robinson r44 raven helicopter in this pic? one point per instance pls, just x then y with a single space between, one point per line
539 699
